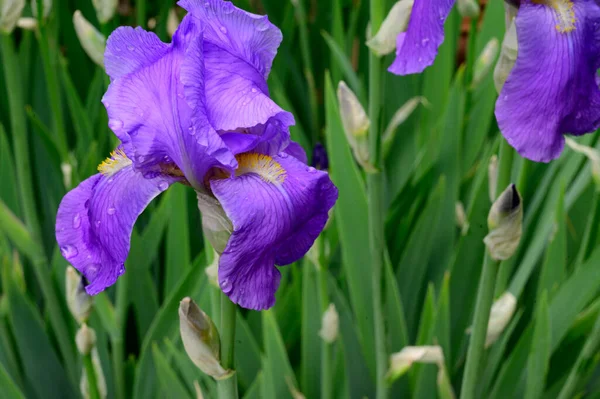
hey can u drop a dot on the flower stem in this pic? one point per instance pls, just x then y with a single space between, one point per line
227 388
118 349
483 305
326 348
591 231
88 364
375 194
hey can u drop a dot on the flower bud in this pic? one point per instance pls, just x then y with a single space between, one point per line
356 125
216 225
46 8
592 154
402 361
67 171
384 42
501 314
92 41
10 12
505 222
27 23
330 325
100 380
212 270
172 22
468 8
78 300
461 218
508 57
493 177
85 339
201 339
484 62
105 9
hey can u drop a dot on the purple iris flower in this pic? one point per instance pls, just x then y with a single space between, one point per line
417 48
552 89
198 112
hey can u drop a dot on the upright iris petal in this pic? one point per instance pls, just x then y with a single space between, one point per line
552 90
278 206
417 48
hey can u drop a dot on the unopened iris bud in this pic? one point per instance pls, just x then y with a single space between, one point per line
216 225
402 361
384 42
592 154
505 222
85 339
201 339
493 177
356 124
78 300
461 218
508 57
172 22
84 386
485 61
46 8
468 8
10 12
27 23
105 9
330 325
500 315
92 41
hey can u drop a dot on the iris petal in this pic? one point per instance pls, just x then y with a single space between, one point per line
95 220
417 48
277 207
552 89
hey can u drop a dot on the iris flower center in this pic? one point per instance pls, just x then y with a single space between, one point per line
264 166
117 161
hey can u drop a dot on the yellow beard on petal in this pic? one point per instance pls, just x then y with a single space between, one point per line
264 166
565 15
117 161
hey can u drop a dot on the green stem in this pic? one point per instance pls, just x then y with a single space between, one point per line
591 232
140 6
483 305
308 68
326 348
228 388
27 196
505 162
117 342
91 376
585 363
375 193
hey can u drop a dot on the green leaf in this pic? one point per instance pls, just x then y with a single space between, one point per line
178 239
167 378
539 355
345 66
351 218
9 388
278 373
247 353
311 323
8 181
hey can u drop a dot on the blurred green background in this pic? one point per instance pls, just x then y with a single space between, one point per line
54 133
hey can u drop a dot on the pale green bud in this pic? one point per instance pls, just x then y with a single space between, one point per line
201 339
468 8
216 225
172 22
46 8
85 339
493 177
508 57
384 42
461 218
27 23
502 312
592 154
78 300
505 222
198 390
105 9
330 325
485 61
92 41
402 361
356 125
10 12
100 380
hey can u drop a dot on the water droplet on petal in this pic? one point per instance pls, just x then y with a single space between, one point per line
115 124
121 269
425 41
140 159
254 90
192 130
91 271
283 155
163 185
111 210
76 221
245 103
311 170
68 251
578 116
226 286
98 223
223 29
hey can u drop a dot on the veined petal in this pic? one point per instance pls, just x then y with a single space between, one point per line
95 221
278 206
148 106
239 48
552 89
417 48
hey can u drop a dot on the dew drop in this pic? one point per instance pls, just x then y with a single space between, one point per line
121 269
141 159
245 103
420 59
311 170
115 124
254 90
578 116
283 155
91 271
76 221
226 286
425 41
192 130
223 29
163 185
98 223
69 251
180 95
111 210
110 180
